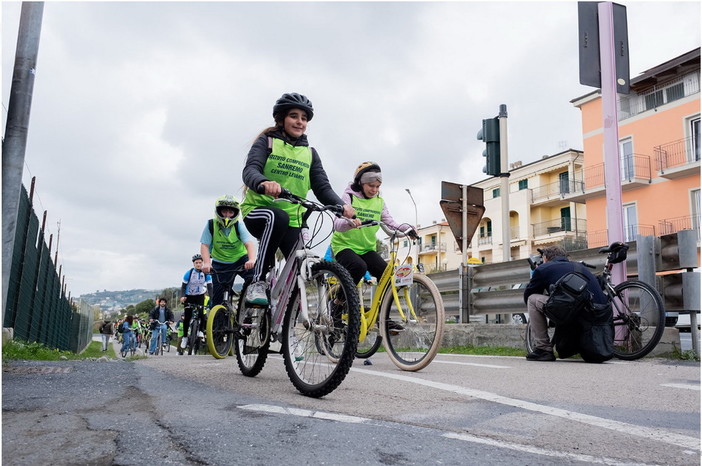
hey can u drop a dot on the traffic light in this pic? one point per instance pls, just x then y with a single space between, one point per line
490 134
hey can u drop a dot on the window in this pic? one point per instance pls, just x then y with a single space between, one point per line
496 192
695 138
523 184
674 92
563 183
695 210
653 100
630 222
486 229
565 219
626 153
666 95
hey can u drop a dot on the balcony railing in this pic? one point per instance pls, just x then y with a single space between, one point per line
659 94
484 240
667 226
601 237
433 247
559 225
558 190
676 153
631 168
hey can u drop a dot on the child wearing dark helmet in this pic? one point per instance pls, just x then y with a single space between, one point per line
281 158
196 283
355 248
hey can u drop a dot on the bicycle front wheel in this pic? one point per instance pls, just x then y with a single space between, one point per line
252 343
639 319
220 331
320 330
420 312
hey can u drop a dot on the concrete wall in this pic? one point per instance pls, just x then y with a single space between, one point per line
512 336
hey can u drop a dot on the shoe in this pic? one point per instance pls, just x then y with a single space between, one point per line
256 293
184 342
200 334
393 327
541 355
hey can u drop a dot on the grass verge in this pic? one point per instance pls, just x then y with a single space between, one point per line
14 350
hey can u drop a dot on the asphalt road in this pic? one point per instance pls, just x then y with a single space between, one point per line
460 410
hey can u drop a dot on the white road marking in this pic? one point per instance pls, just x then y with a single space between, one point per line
451 435
687 386
491 366
622 427
539 451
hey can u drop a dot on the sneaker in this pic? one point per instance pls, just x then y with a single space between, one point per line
200 334
184 342
256 293
541 355
393 327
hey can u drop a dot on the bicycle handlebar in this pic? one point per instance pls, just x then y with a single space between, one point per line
286 195
389 230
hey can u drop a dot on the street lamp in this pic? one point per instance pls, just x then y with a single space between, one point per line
416 261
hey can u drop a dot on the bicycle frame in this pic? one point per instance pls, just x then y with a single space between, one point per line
370 317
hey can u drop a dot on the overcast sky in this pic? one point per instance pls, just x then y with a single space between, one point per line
143 113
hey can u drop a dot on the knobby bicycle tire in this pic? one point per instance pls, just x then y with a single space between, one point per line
639 319
414 347
253 340
220 331
193 340
332 318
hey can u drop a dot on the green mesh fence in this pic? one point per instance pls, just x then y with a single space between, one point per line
36 306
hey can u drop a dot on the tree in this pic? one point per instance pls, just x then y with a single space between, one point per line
144 307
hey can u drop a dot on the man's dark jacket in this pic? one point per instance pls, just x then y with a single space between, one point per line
154 314
549 272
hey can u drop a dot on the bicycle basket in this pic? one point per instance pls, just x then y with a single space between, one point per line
617 253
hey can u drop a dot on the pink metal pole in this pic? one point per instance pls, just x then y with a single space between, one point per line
613 185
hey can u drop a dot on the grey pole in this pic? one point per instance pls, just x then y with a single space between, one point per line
16 128
504 186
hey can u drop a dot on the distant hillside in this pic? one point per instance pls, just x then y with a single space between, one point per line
118 300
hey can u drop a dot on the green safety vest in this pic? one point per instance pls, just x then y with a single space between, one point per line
360 240
290 166
179 328
226 247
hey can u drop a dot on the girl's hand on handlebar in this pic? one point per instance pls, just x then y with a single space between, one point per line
350 212
270 188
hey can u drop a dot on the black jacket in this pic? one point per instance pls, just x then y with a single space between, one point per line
549 272
154 314
258 155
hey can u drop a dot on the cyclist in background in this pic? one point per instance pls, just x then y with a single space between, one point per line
226 247
196 284
281 158
127 334
355 248
179 326
163 314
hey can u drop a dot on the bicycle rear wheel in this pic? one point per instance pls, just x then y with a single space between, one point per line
320 330
639 319
254 337
531 340
220 331
421 313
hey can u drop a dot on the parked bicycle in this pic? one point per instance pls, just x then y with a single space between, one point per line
304 297
639 315
408 297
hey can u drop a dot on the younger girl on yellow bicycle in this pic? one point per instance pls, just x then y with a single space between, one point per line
354 247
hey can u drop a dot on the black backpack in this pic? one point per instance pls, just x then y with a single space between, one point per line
568 298
120 329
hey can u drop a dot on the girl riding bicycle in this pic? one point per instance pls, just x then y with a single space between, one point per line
281 158
355 248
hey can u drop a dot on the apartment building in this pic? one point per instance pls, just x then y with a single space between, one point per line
659 149
543 208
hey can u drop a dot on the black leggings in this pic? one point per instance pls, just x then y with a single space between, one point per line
357 265
271 226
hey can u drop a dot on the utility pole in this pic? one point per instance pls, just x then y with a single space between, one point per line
15 142
504 186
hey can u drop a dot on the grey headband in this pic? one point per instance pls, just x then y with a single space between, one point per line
369 177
